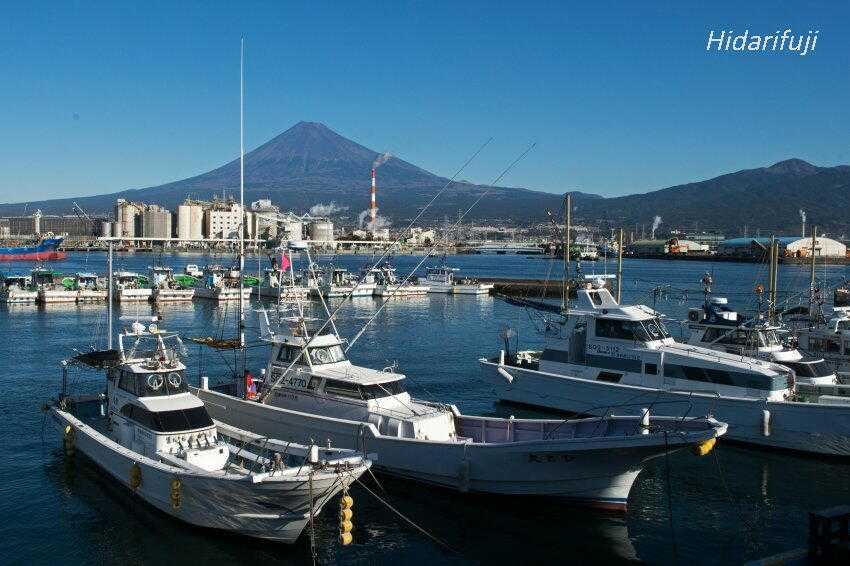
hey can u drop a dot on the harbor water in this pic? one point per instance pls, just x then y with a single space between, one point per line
740 503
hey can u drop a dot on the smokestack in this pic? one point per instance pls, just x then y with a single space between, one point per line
373 206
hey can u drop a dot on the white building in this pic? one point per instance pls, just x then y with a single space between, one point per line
224 220
420 237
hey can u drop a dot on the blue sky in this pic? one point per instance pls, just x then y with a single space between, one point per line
620 97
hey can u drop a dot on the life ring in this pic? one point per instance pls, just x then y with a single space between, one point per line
155 381
174 379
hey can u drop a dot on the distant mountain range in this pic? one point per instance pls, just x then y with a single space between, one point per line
310 164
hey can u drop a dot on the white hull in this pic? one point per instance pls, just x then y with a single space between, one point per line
285 292
460 288
805 427
223 293
20 297
276 509
512 461
363 290
91 296
173 295
57 296
133 295
401 290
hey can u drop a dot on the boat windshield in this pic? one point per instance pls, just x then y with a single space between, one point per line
643 331
168 421
153 384
326 354
816 368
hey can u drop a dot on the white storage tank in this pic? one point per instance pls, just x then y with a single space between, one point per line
184 222
322 231
106 229
196 231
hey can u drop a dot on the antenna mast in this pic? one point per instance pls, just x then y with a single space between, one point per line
241 195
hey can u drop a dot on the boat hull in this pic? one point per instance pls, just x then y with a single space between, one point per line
44 251
803 427
173 295
273 510
223 293
578 469
460 288
133 295
401 290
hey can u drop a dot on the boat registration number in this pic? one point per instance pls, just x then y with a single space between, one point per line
549 457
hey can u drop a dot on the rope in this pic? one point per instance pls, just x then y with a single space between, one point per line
409 521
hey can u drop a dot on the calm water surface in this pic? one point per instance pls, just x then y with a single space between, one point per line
733 505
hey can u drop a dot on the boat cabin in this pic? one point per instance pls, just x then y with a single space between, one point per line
442 274
86 281
629 344
150 407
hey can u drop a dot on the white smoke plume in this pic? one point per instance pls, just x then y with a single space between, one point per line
363 221
656 222
803 215
322 209
381 159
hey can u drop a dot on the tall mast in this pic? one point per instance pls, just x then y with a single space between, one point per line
109 290
772 279
620 266
812 281
241 193
565 297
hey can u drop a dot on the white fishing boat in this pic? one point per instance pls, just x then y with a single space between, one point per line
442 280
602 357
336 282
131 287
149 433
54 288
167 288
716 326
221 284
389 285
17 289
90 289
591 461
828 337
311 389
192 270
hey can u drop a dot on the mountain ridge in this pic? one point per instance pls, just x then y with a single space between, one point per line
310 163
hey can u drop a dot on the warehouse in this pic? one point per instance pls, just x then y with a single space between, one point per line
789 246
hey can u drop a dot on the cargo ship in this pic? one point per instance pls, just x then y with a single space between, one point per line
46 249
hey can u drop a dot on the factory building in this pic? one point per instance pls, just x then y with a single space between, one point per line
156 222
223 220
73 226
789 246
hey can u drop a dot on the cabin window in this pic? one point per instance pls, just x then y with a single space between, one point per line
810 369
651 369
168 421
288 354
617 329
609 377
738 338
377 391
723 377
127 382
595 298
342 389
327 354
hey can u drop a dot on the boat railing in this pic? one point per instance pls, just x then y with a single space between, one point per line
646 408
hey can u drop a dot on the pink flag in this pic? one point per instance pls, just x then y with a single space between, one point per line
284 263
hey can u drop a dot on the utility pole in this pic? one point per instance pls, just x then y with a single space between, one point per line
812 281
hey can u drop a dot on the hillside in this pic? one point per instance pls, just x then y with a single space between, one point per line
310 164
